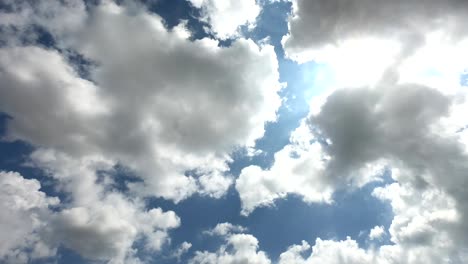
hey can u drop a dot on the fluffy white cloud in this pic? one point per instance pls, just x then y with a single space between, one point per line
183 249
401 107
423 231
327 251
99 222
376 233
169 109
158 103
107 231
225 17
23 209
239 248
400 126
425 226
299 168
413 129
224 229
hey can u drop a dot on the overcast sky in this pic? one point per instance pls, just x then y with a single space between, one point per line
234 131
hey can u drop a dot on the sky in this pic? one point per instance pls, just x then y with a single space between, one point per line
234 131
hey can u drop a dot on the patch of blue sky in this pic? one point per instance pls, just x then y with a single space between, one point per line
299 79
464 78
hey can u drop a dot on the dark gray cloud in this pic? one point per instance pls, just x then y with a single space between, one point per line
387 122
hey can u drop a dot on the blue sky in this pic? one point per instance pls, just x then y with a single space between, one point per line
248 132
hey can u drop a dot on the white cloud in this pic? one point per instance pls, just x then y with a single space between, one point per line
399 125
23 211
107 231
299 168
294 254
158 103
225 17
295 170
410 128
421 232
422 217
403 112
224 229
163 105
214 184
376 233
239 248
99 222
183 249
327 251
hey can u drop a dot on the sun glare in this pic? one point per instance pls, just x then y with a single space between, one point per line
355 63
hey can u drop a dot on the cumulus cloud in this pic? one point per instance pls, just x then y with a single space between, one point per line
24 209
301 168
318 23
399 126
420 232
172 110
327 251
226 17
104 232
239 248
224 229
169 109
376 233
393 106
356 42
412 128
297 168
243 248
425 225
181 250
158 103
99 222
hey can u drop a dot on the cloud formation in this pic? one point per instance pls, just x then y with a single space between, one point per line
407 119
158 103
99 222
376 233
24 209
398 126
226 17
170 111
297 168
318 23
224 229
238 248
